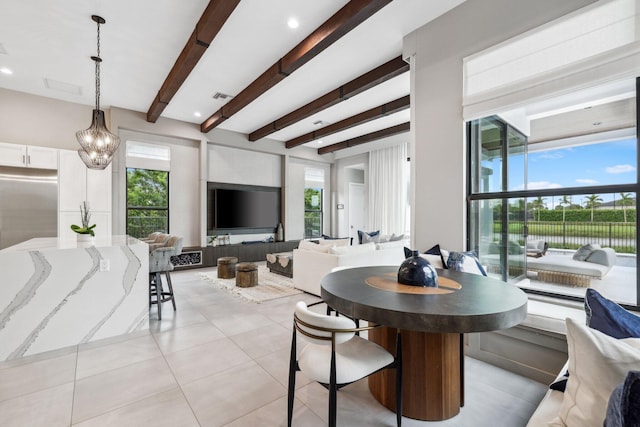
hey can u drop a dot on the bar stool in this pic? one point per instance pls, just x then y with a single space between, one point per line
160 262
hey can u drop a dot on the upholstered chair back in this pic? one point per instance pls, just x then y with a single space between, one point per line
316 332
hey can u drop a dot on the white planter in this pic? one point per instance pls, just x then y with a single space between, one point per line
85 237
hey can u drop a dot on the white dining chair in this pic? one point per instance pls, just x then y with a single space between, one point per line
335 356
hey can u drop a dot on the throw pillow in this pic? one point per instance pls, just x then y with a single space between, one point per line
623 409
561 383
435 250
597 364
513 248
309 246
325 237
465 261
369 234
584 251
395 238
334 242
608 317
350 250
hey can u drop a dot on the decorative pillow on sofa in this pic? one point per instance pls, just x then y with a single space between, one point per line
325 237
435 251
584 251
608 317
334 242
465 261
623 409
369 234
597 364
358 249
390 244
310 246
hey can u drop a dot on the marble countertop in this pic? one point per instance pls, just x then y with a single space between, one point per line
52 243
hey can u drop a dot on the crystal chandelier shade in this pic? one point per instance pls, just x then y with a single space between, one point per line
98 144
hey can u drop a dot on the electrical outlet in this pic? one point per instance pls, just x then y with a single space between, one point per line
105 265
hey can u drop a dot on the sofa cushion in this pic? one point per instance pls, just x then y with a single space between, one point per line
349 250
623 409
597 364
584 251
390 244
465 261
310 246
608 317
334 242
368 234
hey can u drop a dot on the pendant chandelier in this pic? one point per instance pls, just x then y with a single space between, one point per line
98 144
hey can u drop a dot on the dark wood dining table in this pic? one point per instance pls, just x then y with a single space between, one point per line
432 323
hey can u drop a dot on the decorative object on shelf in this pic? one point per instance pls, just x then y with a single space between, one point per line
212 240
417 271
97 142
84 233
279 233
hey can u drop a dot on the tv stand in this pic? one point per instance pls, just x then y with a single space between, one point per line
244 252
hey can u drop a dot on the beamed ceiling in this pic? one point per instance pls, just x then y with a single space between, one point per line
336 81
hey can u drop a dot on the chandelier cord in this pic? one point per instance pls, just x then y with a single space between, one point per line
97 62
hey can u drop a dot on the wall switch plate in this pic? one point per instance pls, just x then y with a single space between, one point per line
105 265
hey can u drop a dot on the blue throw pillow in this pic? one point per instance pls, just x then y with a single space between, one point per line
623 409
326 237
435 250
465 261
609 318
368 233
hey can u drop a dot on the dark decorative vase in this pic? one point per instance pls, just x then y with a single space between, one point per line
417 271
279 233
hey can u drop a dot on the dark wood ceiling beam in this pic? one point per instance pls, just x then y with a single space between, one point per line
350 16
361 118
363 139
378 75
208 26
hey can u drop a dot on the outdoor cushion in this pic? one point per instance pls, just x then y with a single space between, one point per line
584 251
564 264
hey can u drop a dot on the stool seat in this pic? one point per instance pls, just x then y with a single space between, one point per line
246 274
227 267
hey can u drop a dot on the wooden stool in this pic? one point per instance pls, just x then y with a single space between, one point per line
227 267
246 275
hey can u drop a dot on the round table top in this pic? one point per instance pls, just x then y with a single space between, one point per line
481 304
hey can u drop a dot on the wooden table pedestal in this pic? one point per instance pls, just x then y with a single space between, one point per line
432 380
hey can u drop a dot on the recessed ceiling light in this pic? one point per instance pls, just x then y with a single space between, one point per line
5 70
293 23
319 141
197 114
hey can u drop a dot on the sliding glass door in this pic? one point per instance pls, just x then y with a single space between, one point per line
497 222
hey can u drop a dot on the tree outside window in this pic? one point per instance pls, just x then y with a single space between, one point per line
147 202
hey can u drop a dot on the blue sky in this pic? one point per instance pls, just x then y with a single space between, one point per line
594 164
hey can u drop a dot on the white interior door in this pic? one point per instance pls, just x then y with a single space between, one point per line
356 210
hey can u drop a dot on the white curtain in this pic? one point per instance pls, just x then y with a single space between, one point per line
388 189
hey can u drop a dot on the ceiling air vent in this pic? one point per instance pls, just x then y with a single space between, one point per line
320 123
220 95
62 86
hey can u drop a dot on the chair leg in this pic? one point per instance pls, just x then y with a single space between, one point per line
159 295
292 379
399 380
173 297
333 390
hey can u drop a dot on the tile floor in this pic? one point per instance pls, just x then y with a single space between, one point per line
218 361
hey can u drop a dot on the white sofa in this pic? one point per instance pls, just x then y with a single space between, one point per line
549 407
311 264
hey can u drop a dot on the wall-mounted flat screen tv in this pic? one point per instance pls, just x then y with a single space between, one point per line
242 209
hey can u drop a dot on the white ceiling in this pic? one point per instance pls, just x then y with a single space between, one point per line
141 40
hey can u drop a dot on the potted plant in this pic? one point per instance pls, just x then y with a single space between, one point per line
85 233
212 240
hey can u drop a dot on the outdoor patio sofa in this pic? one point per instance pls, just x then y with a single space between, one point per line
576 270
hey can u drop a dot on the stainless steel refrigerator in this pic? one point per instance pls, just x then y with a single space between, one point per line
28 204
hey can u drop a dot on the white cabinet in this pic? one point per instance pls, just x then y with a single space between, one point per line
28 156
76 184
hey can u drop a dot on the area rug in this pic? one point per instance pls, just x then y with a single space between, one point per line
270 286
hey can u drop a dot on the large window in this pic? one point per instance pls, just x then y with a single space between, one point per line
576 189
312 212
147 202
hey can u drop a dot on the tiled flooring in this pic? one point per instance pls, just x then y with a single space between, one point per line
218 361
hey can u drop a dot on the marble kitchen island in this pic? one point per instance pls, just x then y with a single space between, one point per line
56 293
